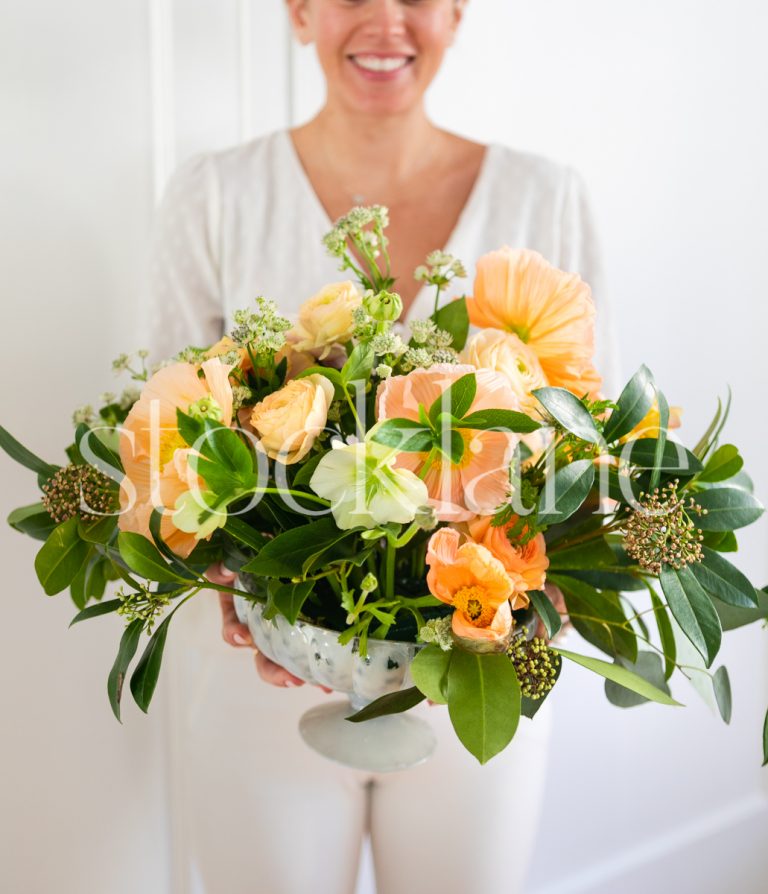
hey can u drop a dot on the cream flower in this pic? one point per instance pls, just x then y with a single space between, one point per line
507 354
326 319
288 421
365 489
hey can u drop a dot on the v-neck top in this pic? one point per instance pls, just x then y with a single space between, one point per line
246 221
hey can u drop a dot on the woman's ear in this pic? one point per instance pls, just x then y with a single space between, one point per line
458 13
299 18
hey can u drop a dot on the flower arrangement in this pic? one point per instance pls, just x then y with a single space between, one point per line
469 493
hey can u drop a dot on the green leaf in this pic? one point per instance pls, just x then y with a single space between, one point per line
581 556
406 435
722 685
99 608
765 740
722 541
98 530
499 420
96 452
721 579
143 557
243 532
61 557
666 634
359 365
292 551
724 463
570 487
429 671
626 678
483 701
144 677
453 318
634 402
693 610
452 446
128 645
456 399
674 459
731 617
289 598
661 440
225 449
33 521
570 412
546 611
597 616
727 508
389 703
650 668
704 442
24 457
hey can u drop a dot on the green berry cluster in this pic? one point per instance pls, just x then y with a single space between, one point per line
536 666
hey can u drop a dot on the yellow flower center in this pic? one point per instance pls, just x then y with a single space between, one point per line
473 603
170 442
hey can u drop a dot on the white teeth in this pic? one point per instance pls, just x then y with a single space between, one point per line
381 63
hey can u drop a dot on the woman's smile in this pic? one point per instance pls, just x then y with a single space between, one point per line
379 66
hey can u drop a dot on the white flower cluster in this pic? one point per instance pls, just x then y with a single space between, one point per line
352 226
440 269
432 345
263 330
438 631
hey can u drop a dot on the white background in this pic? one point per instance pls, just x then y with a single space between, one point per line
662 106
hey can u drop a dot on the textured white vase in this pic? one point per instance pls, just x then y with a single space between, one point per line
392 742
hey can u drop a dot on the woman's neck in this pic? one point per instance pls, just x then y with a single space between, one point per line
370 152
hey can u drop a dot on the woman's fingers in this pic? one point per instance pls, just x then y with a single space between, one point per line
275 673
232 631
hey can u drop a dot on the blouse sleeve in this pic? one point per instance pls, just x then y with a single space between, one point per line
580 253
182 302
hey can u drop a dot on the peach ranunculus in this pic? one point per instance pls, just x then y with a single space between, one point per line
288 421
479 483
552 312
154 454
326 319
526 564
469 578
506 353
648 426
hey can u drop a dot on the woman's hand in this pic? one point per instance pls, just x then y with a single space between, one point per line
238 635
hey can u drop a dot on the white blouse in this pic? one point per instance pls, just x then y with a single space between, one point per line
246 221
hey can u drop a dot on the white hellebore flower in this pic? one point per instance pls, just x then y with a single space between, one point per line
365 489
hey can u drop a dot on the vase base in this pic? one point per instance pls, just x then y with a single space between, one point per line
381 745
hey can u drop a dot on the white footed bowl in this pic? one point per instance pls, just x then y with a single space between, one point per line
392 742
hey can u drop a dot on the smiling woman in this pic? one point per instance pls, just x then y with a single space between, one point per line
249 221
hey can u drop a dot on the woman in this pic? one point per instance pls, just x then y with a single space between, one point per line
260 812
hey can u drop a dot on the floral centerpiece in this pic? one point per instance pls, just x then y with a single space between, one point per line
466 494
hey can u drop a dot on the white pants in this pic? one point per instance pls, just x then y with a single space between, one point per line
257 812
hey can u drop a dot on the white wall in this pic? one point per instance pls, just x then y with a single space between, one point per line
662 106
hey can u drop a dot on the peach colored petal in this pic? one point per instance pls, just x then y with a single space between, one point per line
498 629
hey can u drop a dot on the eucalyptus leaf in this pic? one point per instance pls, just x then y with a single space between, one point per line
727 508
618 674
693 610
128 645
546 611
722 579
722 685
389 703
648 666
144 677
567 492
634 402
25 457
570 412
